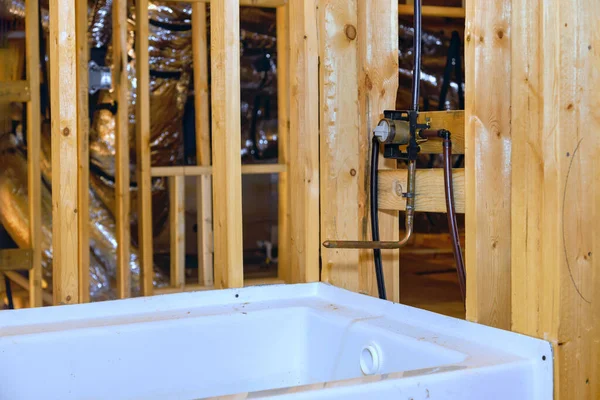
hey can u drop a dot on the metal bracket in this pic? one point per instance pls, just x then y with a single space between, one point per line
100 78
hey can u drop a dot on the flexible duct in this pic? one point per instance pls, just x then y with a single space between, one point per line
14 216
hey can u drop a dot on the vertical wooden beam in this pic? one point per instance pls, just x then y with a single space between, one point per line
121 90
144 178
226 139
34 176
556 186
65 151
177 229
204 182
488 161
84 155
340 139
304 141
283 118
378 86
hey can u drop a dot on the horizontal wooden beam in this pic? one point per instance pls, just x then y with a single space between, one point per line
17 91
452 121
430 194
24 283
245 3
196 170
16 259
433 11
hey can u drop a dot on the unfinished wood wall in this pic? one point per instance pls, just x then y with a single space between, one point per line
533 186
488 161
556 186
359 79
69 149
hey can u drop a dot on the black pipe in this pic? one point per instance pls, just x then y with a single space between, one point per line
375 218
417 39
9 296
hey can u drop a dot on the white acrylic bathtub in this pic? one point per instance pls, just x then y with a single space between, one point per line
310 341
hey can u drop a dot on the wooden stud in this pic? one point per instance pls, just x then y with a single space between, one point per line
177 229
304 142
16 91
34 175
122 200
283 115
339 139
226 142
144 179
65 163
488 162
84 156
430 193
556 186
378 85
204 182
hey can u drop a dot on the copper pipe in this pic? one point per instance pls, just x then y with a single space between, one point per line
408 222
452 225
429 133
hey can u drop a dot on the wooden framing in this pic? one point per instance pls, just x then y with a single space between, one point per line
555 184
430 194
177 229
122 196
377 27
340 139
487 162
283 114
83 185
18 91
144 179
226 138
34 175
203 182
66 135
304 141
205 172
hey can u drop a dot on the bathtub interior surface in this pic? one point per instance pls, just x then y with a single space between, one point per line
196 345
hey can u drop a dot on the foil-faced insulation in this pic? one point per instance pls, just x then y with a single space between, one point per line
170 71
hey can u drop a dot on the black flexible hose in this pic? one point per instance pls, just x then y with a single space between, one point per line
9 296
375 218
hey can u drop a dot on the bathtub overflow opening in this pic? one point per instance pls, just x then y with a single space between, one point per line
370 360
